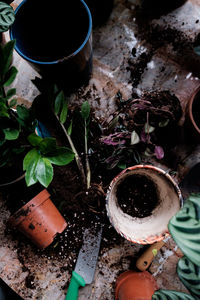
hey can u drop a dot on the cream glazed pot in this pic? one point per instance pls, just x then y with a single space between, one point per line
152 228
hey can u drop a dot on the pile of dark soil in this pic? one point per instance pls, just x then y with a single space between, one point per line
161 106
161 109
137 196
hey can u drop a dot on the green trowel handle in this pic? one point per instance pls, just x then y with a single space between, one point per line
75 283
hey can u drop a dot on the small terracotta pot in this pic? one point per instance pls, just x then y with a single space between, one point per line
39 220
135 286
193 108
154 227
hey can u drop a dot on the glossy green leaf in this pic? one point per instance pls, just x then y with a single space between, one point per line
69 129
61 157
64 111
10 76
29 165
7 54
4 114
47 145
170 295
121 166
185 228
189 274
34 139
13 102
60 99
22 112
10 93
4 109
85 110
44 171
30 157
11 133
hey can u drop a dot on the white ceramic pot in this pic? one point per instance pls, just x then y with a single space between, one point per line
153 227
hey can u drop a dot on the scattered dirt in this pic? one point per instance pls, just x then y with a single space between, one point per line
137 196
137 66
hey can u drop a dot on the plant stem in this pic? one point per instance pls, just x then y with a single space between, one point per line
77 157
148 136
87 164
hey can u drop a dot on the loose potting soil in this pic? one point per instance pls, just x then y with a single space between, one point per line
137 196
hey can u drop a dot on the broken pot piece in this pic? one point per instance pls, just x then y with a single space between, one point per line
140 202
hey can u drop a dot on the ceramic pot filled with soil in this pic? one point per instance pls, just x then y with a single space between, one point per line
38 219
192 124
140 202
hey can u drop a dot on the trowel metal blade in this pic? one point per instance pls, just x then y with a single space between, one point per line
88 254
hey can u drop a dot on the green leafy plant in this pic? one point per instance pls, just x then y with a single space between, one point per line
58 103
38 161
185 230
60 109
7 16
17 131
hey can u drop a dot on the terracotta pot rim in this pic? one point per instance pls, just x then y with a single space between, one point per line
127 274
151 238
190 105
16 218
122 277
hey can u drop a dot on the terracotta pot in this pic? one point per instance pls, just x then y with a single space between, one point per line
153 227
135 286
39 220
192 127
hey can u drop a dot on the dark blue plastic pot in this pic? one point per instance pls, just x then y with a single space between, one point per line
56 40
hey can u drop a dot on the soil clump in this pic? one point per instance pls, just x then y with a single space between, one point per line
137 196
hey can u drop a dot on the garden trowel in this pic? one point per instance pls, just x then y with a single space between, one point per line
86 262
